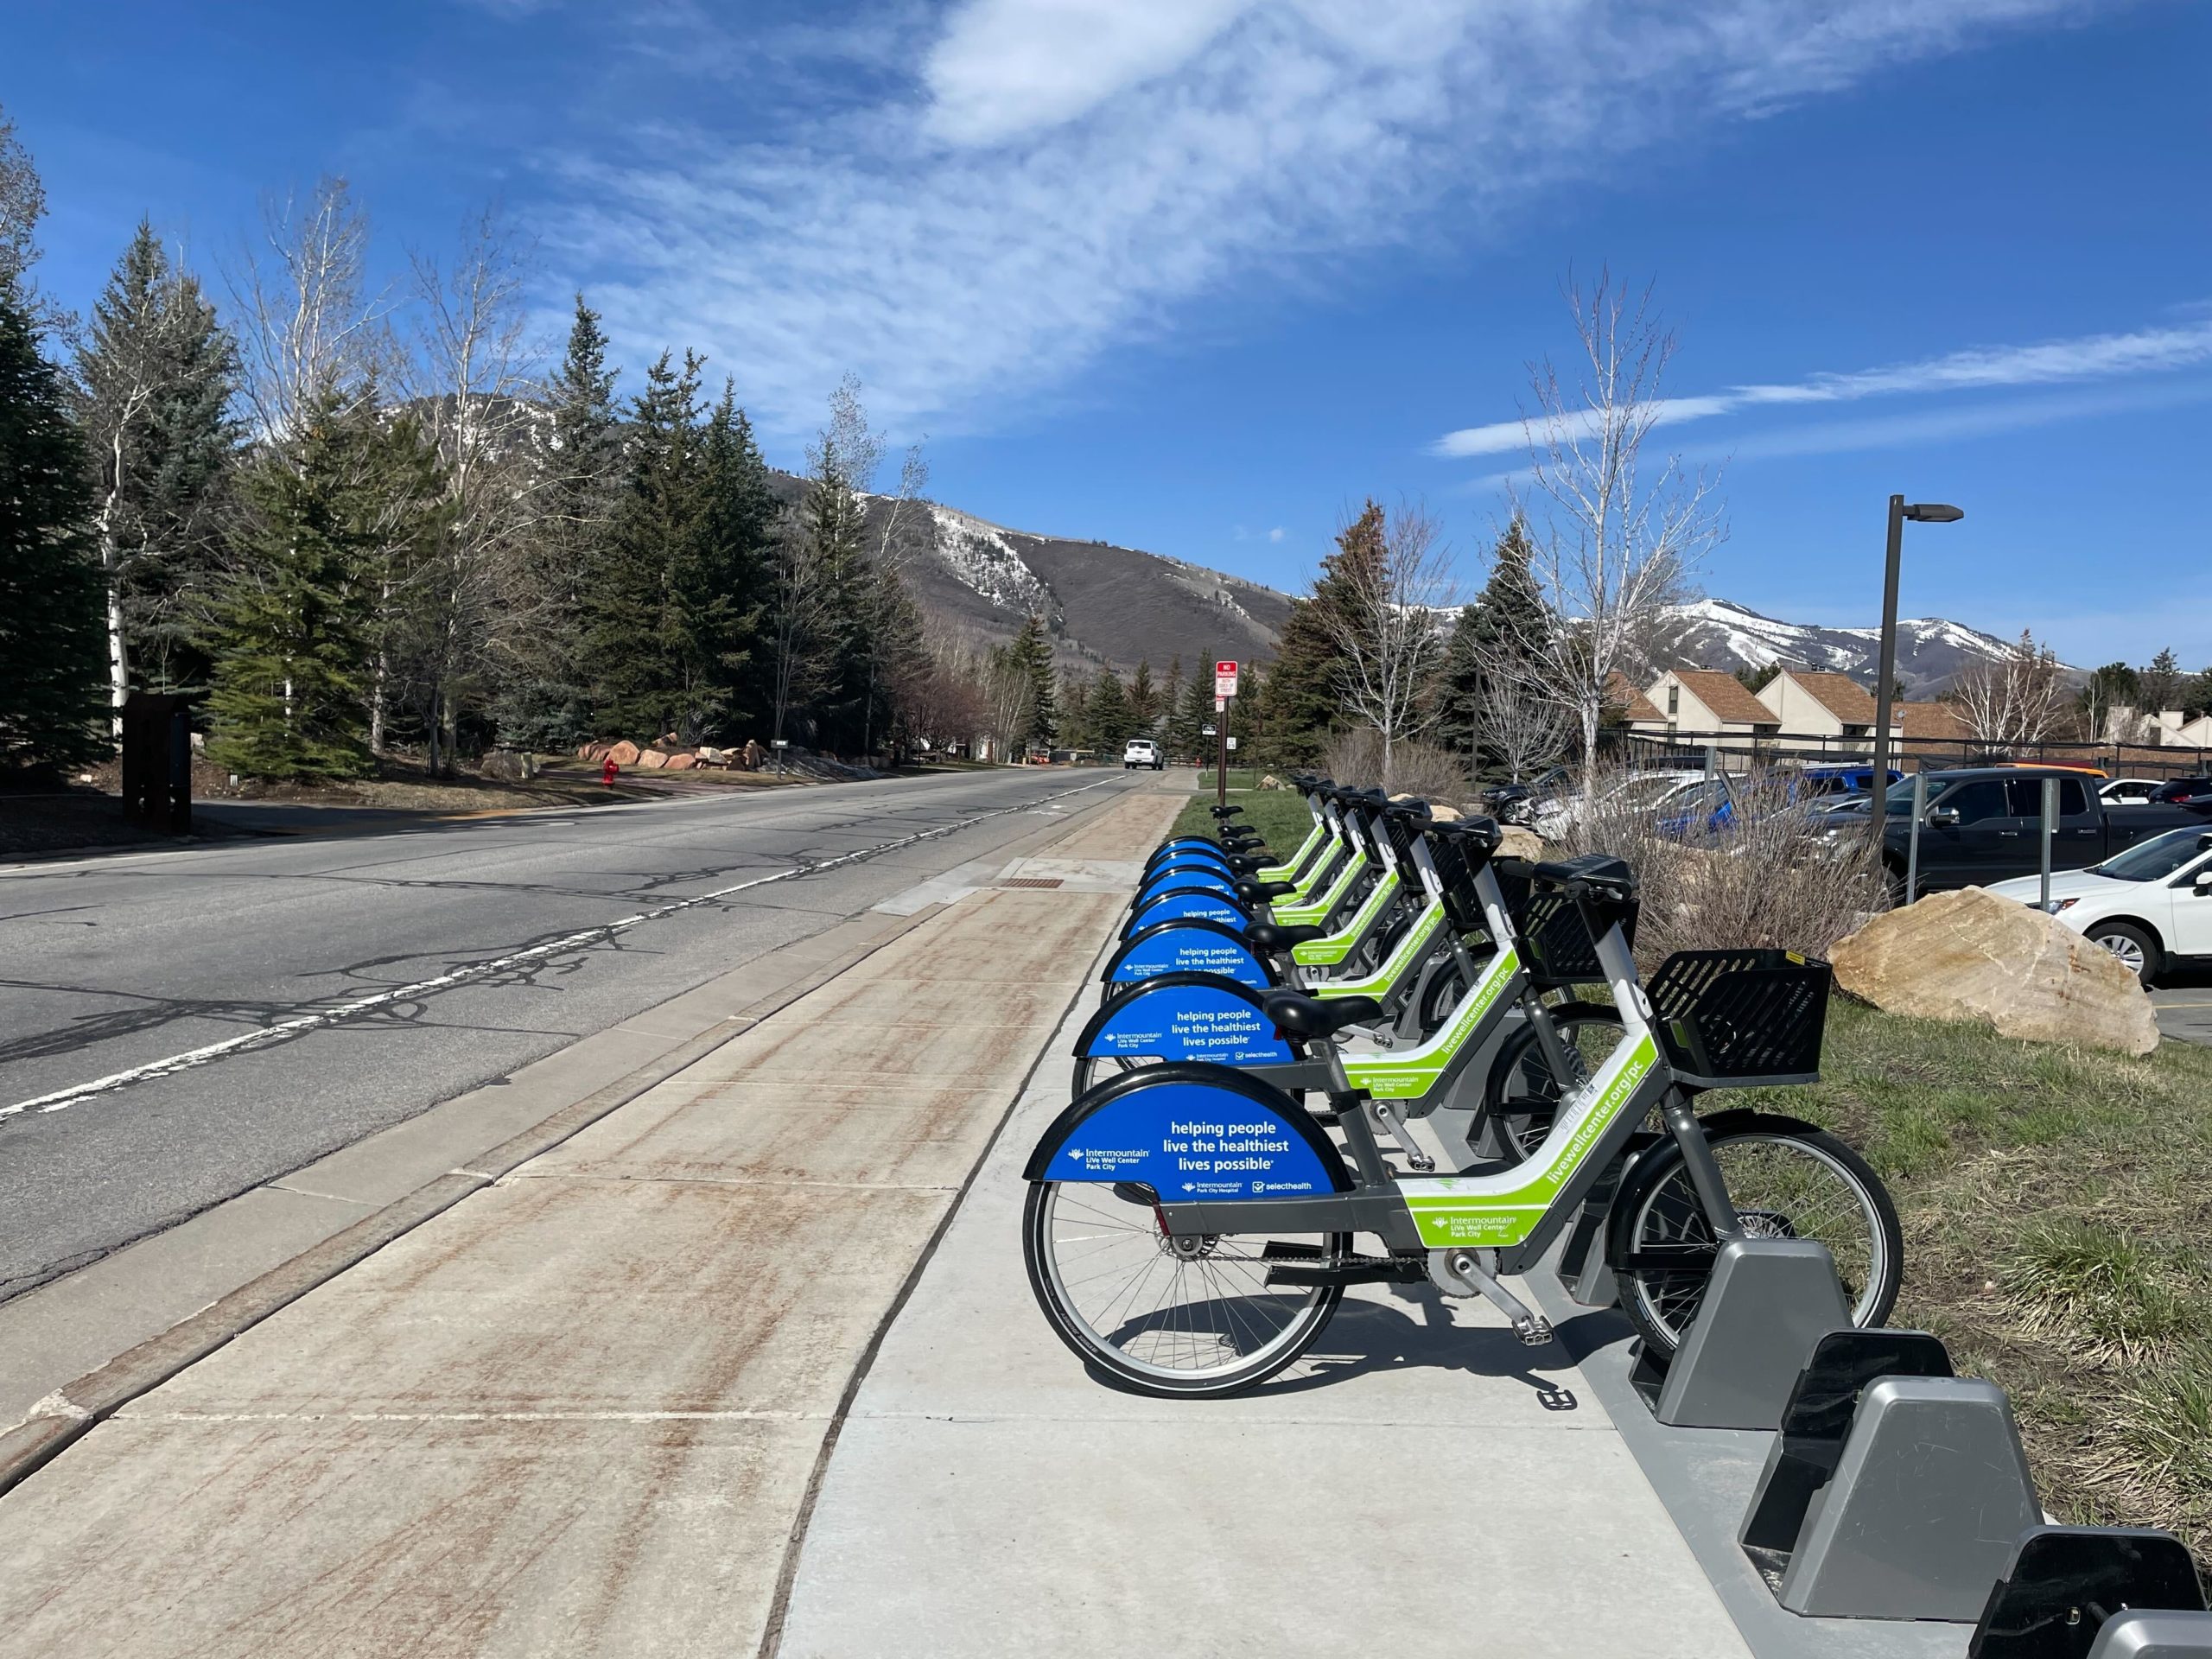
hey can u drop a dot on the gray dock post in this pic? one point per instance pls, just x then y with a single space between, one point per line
1769 1300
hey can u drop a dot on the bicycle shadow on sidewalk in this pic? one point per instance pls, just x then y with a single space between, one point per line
1415 1329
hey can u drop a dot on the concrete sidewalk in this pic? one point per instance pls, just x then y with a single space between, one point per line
1419 1482
582 1410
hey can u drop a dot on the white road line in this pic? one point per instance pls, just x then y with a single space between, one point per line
61 1099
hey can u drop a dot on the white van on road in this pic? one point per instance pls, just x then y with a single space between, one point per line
1142 751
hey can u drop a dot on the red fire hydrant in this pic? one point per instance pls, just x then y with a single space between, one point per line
608 770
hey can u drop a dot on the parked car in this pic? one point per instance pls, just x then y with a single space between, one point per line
1142 751
2183 792
1984 825
2150 906
2128 792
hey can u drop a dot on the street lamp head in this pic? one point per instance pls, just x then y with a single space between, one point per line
1934 512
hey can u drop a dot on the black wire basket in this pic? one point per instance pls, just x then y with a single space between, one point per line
1741 1018
1456 874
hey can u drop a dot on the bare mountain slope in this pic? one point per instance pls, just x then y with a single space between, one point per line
978 581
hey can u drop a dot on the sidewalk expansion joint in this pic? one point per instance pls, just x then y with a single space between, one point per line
224 1417
730 1180
309 1193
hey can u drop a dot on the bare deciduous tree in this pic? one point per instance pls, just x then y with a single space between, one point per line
1617 544
472 369
1384 612
2017 699
308 331
1520 718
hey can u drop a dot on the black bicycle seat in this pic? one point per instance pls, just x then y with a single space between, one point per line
1296 1014
1269 937
1254 893
1224 811
1599 870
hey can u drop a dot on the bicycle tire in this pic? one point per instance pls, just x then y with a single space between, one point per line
1523 1119
1208 1329
1656 1216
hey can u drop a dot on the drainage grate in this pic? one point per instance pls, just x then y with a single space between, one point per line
1030 881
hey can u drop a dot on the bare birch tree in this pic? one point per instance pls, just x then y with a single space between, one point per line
1615 541
1384 614
474 370
1520 719
2015 700
309 331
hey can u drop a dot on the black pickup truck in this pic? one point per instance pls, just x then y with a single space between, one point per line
1985 824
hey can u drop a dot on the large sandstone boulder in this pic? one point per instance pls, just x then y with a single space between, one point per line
682 762
1518 841
1973 956
624 753
1439 813
651 760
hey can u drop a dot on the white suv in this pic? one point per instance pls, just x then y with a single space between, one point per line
1141 751
2148 905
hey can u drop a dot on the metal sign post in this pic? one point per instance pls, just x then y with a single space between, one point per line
1912 840
2050 817
1224 687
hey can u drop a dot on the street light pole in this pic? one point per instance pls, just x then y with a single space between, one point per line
1880 789
1921 513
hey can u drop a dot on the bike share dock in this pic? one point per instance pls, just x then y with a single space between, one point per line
1419 1480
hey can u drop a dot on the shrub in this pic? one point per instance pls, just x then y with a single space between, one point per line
1767 877
1354 758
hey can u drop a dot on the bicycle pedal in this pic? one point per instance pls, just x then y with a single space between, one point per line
1535 1331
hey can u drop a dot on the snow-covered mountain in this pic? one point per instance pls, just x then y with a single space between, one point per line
1932 651
978 581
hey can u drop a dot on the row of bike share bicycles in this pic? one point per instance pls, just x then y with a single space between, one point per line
1272 1030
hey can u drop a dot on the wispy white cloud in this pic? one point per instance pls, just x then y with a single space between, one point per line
2095 357
1062 176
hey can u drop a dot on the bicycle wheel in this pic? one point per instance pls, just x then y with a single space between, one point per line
1787 1179
1521 1096
1090 1068
1187 1318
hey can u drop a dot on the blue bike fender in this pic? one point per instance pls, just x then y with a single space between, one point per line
1166 884
1178 866
1185 1017
1195 946
1188 850
1178 903
1190 1132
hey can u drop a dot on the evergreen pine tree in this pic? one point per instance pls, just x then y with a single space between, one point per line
1030 657
288 627
634 633
1171 732
2160 682
1508 622
544 698
1304 700
50 603
1144 700
154 380
719 581
1187 737
1111 725
1071 702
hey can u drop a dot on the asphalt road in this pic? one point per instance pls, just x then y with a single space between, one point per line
459 939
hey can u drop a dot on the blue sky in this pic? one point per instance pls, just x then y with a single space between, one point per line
1197 275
